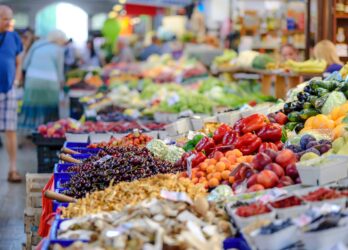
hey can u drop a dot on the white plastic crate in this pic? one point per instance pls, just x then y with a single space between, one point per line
229 118
333 169
278 240
242 222
324 239
179 127
72 137
99 137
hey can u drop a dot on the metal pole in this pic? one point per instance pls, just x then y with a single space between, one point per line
308 28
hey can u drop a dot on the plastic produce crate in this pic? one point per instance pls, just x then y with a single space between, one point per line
47 152
75 144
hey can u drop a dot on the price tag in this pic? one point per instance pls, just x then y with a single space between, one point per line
175 196
103 159
189 165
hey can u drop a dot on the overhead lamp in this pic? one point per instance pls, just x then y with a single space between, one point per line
112 14
122 1
117 7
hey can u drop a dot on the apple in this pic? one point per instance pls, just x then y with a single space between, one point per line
278 170
281 118
285 158
267 178
271 153
260 160
42 129
255 188
50 132
291 171
243 171
252 180
286 181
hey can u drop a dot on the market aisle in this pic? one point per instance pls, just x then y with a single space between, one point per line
12 200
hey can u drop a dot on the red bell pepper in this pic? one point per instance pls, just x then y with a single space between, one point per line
220 132
251 123
206 144
248 143
267 145
270 132
200 157
230 138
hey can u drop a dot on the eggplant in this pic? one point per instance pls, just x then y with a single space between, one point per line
287 108
299 127
303 96
308 89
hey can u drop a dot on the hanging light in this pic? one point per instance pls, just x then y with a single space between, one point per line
117 7
112 14
122 1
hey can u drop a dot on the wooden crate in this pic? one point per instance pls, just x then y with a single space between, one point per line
32 241
32 219
34 200
36 182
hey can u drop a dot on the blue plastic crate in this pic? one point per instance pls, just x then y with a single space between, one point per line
236 243
61 174
84 150
57 204
75 144
81 156
59 183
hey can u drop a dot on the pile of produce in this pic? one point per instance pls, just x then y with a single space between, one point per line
316 97
124 163
309 147
154 223
115 198
84 79
165 152
132 139
309 66
59 128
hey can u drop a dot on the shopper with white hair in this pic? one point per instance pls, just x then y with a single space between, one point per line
10 49
44 74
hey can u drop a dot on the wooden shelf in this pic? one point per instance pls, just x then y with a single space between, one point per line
341 16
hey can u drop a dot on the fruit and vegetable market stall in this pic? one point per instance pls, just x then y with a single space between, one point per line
267 177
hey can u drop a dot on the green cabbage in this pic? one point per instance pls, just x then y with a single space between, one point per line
335 99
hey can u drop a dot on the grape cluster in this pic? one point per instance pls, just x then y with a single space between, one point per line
127 163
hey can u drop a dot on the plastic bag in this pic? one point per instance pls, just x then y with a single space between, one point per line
47 210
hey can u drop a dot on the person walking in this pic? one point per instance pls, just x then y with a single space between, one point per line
44 67
10 73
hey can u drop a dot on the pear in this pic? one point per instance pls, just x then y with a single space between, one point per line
308 156
338 144
343 150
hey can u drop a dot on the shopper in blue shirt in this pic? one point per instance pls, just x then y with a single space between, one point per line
10 49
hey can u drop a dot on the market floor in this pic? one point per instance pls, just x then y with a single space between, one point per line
12 199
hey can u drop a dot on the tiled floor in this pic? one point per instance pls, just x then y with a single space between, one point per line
12 199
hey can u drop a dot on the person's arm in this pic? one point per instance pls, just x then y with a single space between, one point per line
18 76
60 66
